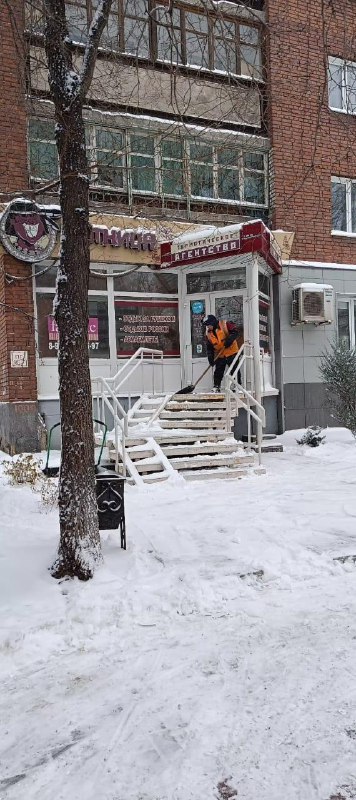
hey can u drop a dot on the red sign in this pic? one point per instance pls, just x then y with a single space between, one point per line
147 324
250 237
93 329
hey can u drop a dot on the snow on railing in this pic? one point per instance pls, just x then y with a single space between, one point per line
238 376
105 393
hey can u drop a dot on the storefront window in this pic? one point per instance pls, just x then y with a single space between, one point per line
219 281
264 284
98 329
147 283
147 324
47 279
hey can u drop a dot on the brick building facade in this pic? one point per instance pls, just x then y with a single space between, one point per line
237 126
312 132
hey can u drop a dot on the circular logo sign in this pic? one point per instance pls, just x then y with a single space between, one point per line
197 307
26 232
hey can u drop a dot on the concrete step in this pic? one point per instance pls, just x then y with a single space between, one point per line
178 415
211 396
191 424
201 461
204 448
141 412
173 437
214 474
156 477
151 465
138 453
199 405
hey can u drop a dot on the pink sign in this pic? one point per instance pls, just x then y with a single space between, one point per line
93 329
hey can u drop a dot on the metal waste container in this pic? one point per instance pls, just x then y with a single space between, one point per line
110 500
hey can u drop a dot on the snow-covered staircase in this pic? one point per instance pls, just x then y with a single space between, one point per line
187 434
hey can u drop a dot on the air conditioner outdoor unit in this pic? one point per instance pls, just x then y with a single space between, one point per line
312 303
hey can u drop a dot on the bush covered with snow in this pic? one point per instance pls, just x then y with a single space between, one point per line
338 369
22 470
312 437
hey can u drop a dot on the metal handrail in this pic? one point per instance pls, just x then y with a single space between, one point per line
135 360
234 390
108 388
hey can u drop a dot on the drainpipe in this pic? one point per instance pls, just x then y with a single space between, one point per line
255 340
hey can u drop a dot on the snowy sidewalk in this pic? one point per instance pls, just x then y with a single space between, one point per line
169 676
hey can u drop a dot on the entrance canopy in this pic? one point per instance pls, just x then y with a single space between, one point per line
213 243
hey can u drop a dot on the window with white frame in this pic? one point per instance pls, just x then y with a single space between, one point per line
43 156
343 197
342 85
346 321
157 164
162 30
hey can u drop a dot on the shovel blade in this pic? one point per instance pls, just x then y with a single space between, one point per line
187 389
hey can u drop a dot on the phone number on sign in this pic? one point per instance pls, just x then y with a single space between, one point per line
91 345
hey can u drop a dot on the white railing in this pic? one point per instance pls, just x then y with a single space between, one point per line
239 389
105 393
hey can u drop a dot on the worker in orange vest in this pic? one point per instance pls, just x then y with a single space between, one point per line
222 337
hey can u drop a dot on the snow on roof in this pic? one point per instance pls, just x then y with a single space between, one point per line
313 287
204 233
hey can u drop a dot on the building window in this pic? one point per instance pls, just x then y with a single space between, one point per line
136 27
342 85
166 31
77 20
172 167
109 158
98 327
159 165
343 194
201 170
169 34
42 150
346 321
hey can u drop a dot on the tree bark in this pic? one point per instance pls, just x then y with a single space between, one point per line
79 547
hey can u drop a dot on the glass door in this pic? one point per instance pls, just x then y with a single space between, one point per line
223 305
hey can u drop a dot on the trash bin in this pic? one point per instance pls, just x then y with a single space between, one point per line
110 500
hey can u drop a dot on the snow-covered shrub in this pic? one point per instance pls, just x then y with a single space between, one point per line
338 369
312 437
49 493
25 469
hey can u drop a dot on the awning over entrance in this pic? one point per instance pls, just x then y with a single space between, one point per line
213 243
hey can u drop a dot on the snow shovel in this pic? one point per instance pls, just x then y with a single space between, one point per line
190 388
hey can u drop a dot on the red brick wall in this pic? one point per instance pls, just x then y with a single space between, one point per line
310 142
17 332
13 162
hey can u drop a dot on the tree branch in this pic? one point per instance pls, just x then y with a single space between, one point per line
58 52
97 26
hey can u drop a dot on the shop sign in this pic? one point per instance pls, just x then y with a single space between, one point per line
131 239
147 324
264 325
205 246
53 332
26 232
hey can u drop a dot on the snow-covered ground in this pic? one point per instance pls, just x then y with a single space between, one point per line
170 676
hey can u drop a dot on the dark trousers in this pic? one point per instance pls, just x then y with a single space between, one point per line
220 367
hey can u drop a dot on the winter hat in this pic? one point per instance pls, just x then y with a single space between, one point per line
210 320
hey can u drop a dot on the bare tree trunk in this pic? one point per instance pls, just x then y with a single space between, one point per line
79 547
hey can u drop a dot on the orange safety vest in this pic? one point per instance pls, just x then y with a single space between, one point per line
218 337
